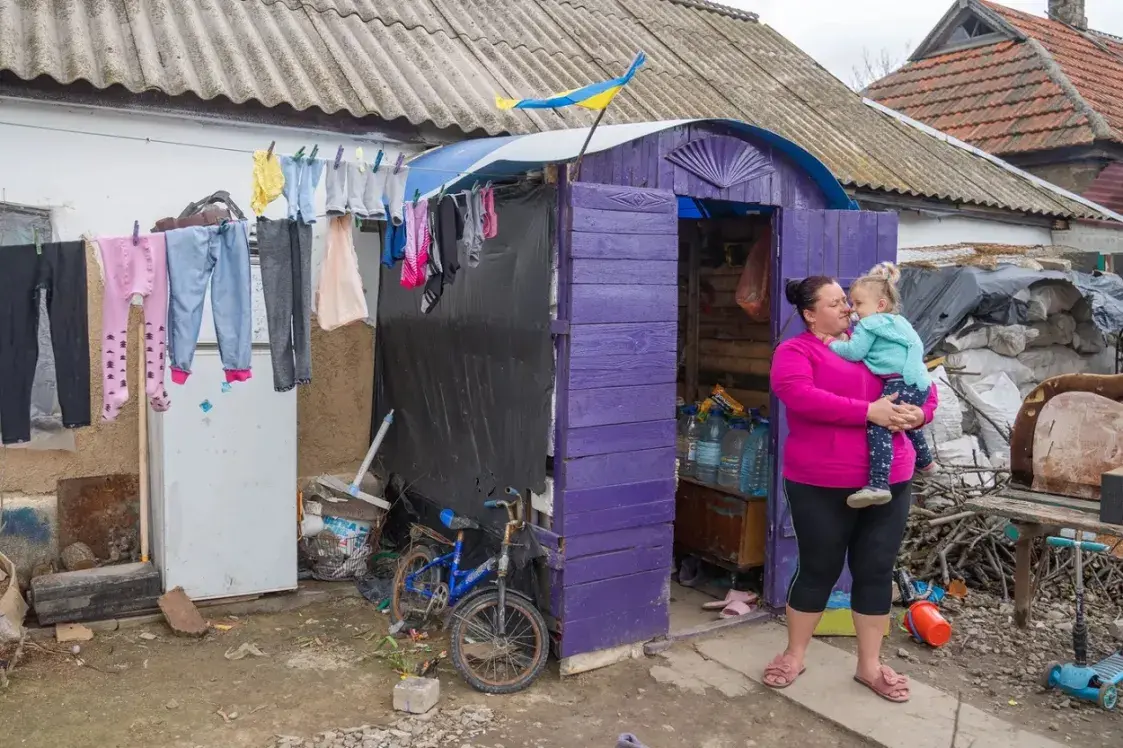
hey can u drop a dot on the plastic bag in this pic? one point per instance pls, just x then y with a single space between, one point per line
1050 297
1057 330
1010 340
752 288
1088 338
947 423
998 400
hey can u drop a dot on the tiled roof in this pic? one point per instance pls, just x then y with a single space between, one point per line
1058 87
443 61
1107 188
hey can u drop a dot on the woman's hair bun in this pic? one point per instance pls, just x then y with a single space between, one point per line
791 292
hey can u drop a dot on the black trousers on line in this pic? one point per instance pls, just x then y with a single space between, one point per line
829 532
61 271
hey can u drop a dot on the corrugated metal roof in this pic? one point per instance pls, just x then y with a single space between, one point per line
443 62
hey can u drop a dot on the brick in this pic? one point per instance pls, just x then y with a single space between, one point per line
417 695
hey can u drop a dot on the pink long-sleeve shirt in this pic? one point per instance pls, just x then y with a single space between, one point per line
826 399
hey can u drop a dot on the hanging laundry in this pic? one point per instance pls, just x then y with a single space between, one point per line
364 191
302 177
339 298
395 195
449 227
285 252
59 268
417 244
219 255
131 269
491 218
268 180
472 242
335 183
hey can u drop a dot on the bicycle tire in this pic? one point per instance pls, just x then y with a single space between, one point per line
474 606
405 566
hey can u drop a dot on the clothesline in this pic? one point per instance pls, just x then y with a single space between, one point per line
226 149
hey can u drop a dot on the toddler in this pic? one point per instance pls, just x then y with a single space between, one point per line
890 348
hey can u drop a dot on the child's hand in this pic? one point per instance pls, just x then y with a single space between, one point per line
844 337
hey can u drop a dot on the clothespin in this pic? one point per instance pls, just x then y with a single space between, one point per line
269 153
377 161
136 232
359 159
416 195
312 155
299 154
38 244
398 163
338 156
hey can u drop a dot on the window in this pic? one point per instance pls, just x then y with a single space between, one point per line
970 29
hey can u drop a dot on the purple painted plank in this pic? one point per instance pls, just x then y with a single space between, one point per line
830 237
625 246
603 542
619 468
625 437
590 372
602 597
653 402
622 518
592 304
620 339
615 629
648 273
616 564
866 254
887 230
849 243
590 220
624 199
593 500
817 263
562 343
593 169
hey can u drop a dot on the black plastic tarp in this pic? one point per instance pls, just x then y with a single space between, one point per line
937 301
471 382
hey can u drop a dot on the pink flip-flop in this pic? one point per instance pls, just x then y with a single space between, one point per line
887 684
782 670
736 609
733 596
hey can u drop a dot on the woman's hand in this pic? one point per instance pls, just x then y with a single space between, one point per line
882 412
907 418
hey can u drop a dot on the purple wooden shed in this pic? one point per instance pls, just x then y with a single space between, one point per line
613 518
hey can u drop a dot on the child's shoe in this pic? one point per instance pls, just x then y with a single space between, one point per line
868 496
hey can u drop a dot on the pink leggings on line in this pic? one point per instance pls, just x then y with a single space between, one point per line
131 269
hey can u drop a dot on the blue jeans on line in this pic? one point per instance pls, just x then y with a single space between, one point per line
220 256
880 439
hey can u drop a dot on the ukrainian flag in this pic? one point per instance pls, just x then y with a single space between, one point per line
593 96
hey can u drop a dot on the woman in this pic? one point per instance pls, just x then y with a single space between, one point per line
829 402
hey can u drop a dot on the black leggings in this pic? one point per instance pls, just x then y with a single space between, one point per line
829 532
61 270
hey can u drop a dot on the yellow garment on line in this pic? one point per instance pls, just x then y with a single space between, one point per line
268 180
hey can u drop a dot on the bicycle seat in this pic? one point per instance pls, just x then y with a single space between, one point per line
453 521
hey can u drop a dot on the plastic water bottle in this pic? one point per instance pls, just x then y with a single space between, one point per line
753 446
692 432
709 447
762 460
681 447
732 448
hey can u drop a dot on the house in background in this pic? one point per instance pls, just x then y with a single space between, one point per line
1045 94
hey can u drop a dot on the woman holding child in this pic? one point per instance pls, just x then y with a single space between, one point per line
853 405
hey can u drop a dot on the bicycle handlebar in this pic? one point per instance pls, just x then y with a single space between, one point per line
1085 545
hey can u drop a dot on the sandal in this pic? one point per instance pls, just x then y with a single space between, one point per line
733 596
736 609
782 671
890 685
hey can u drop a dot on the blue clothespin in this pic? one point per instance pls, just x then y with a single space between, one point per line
312 155
38 244
136 233
377 162
299 154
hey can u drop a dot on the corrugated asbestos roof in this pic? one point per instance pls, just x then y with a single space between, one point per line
443 62
1063 89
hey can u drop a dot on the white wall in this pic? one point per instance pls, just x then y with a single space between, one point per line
929 230
101 185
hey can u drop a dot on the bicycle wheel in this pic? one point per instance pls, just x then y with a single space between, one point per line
412 605
499 664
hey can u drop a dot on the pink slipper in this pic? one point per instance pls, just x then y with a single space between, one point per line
736 609
889 685
782 671
733 596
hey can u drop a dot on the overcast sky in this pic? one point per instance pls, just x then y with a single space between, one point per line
835 32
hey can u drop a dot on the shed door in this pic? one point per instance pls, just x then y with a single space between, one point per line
843 244
614 487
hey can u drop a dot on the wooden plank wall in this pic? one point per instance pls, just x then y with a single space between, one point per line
614 490
735 351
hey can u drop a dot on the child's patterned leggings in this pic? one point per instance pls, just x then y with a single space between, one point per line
131 269
880 439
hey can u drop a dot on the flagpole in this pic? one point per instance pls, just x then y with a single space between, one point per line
588 138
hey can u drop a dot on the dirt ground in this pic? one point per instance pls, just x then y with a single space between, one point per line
326 668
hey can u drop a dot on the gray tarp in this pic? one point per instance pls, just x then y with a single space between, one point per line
937 301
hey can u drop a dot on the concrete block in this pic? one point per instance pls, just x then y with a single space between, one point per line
417 695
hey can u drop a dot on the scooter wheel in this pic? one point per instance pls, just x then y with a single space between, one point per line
1050 675
1108 697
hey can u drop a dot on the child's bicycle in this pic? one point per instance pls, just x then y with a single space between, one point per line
500 642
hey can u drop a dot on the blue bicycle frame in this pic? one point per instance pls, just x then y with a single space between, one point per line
460 583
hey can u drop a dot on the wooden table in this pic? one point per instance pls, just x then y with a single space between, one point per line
1036 514
721 525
